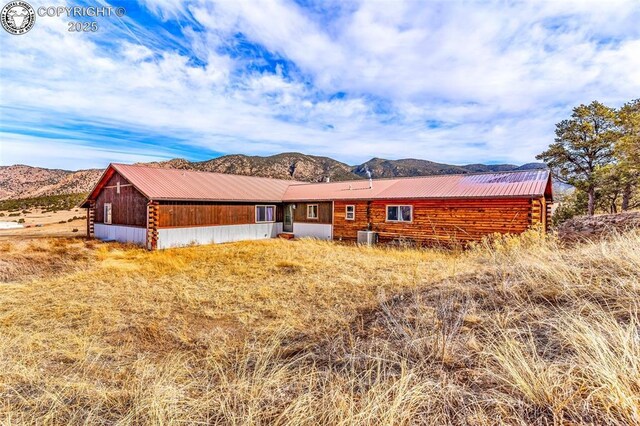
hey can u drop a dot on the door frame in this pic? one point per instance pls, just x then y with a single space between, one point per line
287 227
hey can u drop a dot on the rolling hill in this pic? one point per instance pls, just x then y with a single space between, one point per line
22 181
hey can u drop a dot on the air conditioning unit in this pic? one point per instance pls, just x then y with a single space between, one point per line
367 237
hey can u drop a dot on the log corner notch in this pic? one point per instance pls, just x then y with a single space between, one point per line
153 212
540 213
91 215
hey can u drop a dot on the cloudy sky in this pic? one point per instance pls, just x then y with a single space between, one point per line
452 81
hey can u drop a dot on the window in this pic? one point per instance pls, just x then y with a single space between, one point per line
118 187
107 213
350 212
265 213
399 213
312 211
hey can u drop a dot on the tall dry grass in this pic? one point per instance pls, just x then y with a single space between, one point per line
512 331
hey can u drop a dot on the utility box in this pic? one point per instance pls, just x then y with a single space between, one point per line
368 238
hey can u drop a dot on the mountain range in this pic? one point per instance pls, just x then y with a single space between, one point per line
21 181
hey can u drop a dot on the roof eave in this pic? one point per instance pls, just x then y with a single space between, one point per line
85 203
114 167
458 197
211 200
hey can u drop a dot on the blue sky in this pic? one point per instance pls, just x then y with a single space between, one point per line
452 81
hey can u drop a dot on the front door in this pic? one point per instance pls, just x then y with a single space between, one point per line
287 225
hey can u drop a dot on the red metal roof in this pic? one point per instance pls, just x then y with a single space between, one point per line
487 185
173 184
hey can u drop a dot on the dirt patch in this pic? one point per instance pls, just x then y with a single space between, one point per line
584 228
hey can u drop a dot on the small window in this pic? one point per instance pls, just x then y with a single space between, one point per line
107 213
350 212
265 213
118 187
399 213
312 211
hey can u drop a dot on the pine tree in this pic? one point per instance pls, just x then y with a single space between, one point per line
627 150
583 144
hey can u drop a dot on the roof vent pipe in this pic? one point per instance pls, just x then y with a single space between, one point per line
366 169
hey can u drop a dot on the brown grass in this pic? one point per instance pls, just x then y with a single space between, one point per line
514 330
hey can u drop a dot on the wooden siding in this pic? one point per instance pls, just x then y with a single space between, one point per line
344 229
127 208
183 214
459 220
324 213
453 220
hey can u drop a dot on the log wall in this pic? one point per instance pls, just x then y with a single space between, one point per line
153 209
441 221
344 229
91 219
538 211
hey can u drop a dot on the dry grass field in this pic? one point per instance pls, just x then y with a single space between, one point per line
68 229
38 216
516 331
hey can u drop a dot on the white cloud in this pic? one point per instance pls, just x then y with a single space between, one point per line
445 81
67 154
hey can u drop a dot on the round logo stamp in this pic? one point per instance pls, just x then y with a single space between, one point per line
17 17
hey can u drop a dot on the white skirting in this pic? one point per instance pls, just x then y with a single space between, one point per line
121 233
177 237
312 230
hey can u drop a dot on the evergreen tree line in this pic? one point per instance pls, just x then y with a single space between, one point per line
597 151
